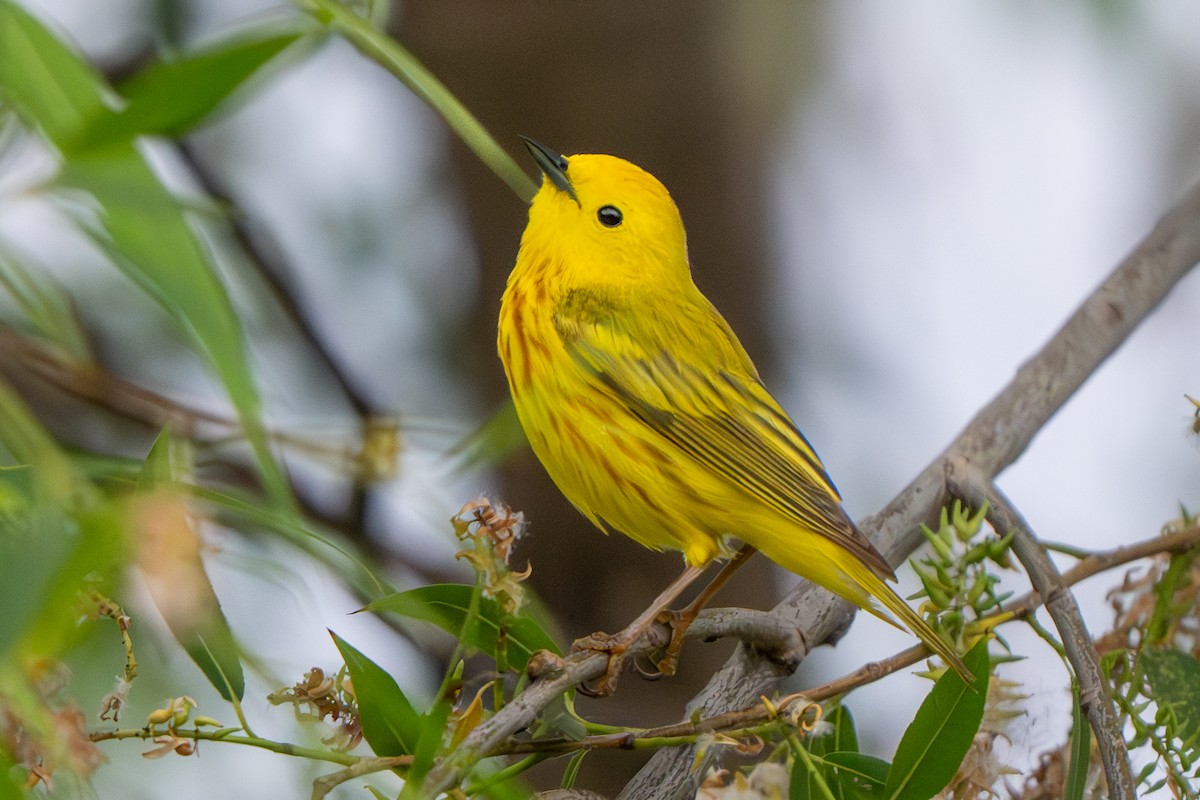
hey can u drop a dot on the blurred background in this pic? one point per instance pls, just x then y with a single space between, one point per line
893 204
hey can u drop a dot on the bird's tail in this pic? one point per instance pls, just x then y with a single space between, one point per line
831 566
897 608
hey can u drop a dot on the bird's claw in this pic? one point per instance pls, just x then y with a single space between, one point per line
615 647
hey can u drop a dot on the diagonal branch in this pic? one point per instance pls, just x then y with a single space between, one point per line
993 440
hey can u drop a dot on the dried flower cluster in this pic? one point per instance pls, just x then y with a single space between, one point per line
493 529
320 696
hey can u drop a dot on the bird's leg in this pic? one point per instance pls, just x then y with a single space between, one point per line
617 645
679 621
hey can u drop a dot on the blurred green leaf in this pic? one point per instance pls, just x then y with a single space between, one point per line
389 722
174 573
45 305
448 605
837 735
387 52
941 733
498 436
1081 750
140 224
59 536
859 775
48 85
168 98
1174 678
147 233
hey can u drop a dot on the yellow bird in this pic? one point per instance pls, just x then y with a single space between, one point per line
642 405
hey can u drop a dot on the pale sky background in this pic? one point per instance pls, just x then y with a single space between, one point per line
960 177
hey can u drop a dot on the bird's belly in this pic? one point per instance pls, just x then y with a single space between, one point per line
622 474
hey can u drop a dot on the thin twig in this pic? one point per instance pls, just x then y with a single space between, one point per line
325 784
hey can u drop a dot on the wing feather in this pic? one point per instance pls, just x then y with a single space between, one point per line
713 407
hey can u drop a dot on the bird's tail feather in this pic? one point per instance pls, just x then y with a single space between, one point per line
825 563
899 609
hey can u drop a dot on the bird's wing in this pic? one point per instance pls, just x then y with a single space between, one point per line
685 376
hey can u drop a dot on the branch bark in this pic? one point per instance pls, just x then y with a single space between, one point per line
992 441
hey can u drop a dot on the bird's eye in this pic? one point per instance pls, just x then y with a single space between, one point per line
609 216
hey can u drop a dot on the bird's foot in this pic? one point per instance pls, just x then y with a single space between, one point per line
616 647
678 623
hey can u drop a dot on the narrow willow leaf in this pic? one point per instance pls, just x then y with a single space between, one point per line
941 733
168 557
148 235
448 605
571 773
175 576
384 50
169 98
47 84
389 722
1081 749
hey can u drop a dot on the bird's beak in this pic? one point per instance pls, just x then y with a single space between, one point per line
553 164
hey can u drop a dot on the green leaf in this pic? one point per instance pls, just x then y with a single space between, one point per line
57 536
148 235
941 733
47 84
42 301
212 648
143 227
385 51
447 605
389 722
1081 750
1174 679
812 777
498 436
169 98
859 775
9 788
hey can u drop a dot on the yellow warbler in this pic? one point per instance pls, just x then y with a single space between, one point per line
642 405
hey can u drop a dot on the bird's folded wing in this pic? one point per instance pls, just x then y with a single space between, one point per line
713 407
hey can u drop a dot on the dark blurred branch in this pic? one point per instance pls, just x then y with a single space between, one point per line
265 256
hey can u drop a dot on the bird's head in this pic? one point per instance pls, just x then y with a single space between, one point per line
599 215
